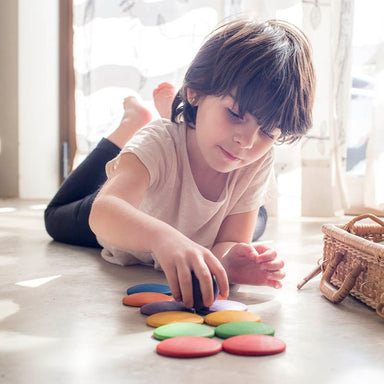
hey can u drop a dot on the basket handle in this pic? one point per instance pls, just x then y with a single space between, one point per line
380 307
348 227
330 292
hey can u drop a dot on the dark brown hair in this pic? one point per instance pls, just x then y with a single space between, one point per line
268 69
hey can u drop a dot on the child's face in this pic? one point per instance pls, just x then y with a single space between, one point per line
226 141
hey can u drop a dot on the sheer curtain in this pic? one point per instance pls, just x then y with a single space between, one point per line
323 159
128 47
374 180
365 158
124 47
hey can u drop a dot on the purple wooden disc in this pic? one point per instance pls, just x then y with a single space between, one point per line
162 306
227 305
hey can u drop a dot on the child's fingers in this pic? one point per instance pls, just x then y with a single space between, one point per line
185 283
276 275
261 248
274 284
173 282
218 271
206 286
273 265
266 256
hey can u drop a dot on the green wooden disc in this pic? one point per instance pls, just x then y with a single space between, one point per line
237 328
183 329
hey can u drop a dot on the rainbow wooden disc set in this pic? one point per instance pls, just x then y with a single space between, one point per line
183 333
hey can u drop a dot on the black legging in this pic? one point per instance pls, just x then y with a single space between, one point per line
67 215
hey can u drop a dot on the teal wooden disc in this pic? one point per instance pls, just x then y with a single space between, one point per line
182 329
150 287
237 328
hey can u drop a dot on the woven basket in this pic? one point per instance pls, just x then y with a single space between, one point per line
353 262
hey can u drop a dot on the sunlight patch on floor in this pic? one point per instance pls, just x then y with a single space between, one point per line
37 282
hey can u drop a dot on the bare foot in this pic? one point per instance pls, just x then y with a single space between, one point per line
135 117
163 97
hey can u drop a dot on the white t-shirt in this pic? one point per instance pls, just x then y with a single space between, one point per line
173 195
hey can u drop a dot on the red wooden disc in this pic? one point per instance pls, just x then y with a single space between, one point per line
142 298
254 345
188 346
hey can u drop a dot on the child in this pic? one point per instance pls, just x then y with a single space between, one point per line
184 194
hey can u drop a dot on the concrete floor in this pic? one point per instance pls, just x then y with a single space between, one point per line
62 321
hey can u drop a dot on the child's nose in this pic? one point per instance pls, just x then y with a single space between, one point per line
245 138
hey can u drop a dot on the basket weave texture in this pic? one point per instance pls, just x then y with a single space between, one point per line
360 244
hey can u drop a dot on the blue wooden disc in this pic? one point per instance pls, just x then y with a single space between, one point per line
150 287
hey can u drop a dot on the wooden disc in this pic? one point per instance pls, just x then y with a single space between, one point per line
222 317
253 345
150 287
163 318
243 328
188 346
142 298
163 306
182 329
227 305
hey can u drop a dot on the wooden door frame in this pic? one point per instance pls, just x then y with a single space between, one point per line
67 114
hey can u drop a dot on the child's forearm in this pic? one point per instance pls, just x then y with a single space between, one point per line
120 224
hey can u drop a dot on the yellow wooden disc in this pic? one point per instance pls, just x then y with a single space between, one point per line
223 317
163 318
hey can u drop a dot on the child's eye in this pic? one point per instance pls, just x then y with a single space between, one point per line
233 114
270 135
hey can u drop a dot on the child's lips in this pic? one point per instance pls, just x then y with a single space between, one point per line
229 155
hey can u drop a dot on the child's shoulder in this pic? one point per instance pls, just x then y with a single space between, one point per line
158 136
161 128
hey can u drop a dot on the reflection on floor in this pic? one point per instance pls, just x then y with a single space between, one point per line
61 317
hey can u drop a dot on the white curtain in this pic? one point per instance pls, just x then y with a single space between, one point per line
124 47
373 64
365 139
128 47
329 26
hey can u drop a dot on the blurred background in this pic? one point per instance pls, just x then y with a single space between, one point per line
66 66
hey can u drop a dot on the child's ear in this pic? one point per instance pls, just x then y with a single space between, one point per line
193 97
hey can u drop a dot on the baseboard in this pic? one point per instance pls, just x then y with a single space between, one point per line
354 211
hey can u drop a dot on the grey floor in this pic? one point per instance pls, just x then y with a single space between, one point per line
62 321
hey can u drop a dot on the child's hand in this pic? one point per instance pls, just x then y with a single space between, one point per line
253 265
178 257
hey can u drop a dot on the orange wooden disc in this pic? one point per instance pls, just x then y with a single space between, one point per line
170 317
142 298
222 317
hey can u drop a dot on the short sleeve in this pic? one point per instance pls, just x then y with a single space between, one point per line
155 148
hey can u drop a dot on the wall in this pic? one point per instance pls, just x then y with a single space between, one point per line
38 98
29 75
9 185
